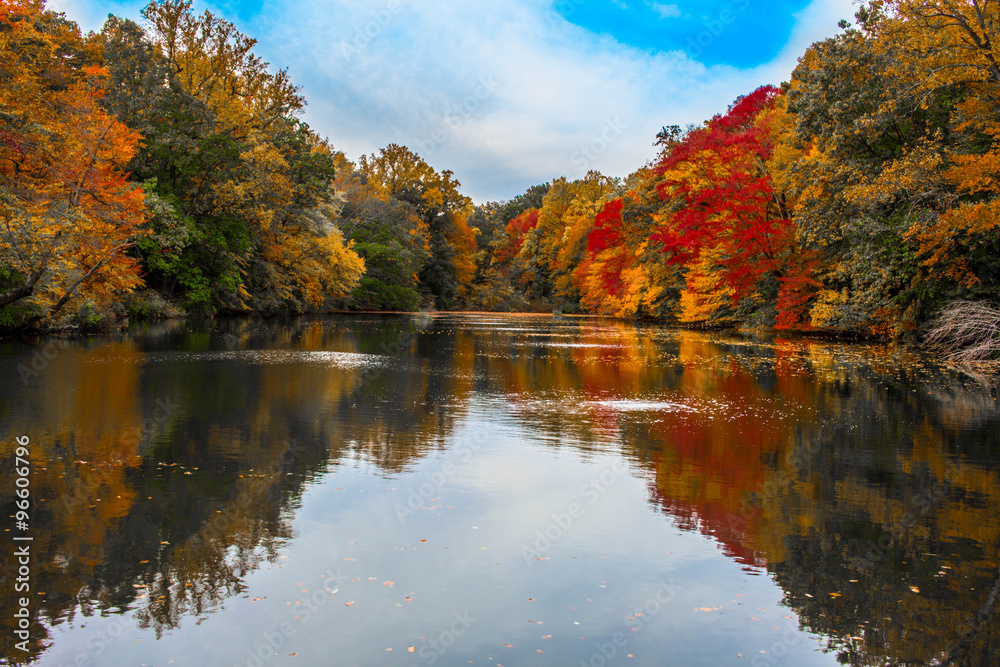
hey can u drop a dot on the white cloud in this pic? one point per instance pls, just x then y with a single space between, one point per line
665 11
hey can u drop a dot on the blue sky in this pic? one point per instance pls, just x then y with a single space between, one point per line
511 93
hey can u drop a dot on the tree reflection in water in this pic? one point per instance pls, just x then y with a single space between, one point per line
169 462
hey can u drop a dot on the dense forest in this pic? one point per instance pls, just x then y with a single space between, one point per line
163 169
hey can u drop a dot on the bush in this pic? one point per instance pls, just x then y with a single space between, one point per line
150 305
372 294
967 332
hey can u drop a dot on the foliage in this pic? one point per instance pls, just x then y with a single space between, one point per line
400 173
242 190
861 196
68 212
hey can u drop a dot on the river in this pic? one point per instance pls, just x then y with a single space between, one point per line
455 489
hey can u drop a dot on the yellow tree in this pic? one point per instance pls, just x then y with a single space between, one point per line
67 213
398 172
214 62
554 248
952 45
268 171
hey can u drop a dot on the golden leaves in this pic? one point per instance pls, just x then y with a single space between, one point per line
68 210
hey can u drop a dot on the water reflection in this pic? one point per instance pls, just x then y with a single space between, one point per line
173 462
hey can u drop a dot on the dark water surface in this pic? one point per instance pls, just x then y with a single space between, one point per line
503 491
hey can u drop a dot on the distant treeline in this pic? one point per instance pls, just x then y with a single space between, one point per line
162 169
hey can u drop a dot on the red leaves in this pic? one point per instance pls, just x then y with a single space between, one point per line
607 231
517 229
724 198
796 292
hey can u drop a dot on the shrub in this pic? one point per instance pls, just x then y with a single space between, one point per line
967 332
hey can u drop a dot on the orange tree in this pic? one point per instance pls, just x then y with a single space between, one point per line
67 212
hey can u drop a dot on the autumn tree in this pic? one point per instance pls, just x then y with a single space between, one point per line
623 273
863 162
727 222
555 245
503 228
398 172
391 237
950 50
245 216
67 213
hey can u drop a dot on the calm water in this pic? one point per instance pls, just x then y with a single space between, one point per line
452 490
